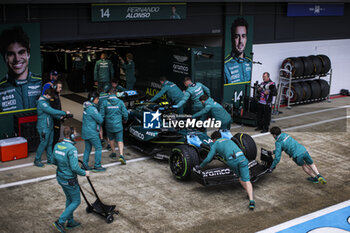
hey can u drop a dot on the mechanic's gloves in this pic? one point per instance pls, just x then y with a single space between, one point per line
175 106
270 170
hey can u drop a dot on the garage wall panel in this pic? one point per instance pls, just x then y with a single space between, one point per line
272 55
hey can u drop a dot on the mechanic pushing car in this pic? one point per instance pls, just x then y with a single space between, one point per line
235 160
172 91
295 150
193 91
114 112
216 111
65 157
92 121
45 126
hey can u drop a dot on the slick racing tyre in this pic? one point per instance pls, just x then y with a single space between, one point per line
315 89
294 65
182 159
317 64
307 90
326 63
298 91
308 66
247 144
324 88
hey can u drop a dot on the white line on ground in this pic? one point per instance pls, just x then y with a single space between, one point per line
310 113
49 177
307 217
305 126
143 158
31 164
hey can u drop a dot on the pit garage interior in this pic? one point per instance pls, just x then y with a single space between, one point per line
145 192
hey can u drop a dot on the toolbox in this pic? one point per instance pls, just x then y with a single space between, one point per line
13 148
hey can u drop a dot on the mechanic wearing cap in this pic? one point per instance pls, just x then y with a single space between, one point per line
297 152
92 121
104 71
129 70
172 91
53 79
114 112
193 92
45 126
235 159
65 157
216 111
20 89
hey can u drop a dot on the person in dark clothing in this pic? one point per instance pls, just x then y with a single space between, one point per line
266 91
56 104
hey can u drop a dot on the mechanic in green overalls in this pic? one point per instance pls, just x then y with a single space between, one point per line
193 92
65 157
297 152
20 89
104 71
235 159
172 91
129 70
92 121
115 85
216 111
115 113
45 126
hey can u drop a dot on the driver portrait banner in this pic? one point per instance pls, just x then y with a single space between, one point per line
238 58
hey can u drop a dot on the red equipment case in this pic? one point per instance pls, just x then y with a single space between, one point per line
13 148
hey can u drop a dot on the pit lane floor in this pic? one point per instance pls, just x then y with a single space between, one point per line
151 200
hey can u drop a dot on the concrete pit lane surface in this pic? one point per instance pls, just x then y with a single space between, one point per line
150 199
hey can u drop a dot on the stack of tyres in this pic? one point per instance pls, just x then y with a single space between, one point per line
307 66
306 91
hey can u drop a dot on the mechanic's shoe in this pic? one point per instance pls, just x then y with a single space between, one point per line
72 224
113 156
251 205
313 179
108 147
122 159
38 164
99 169
321 179
258 129
59 227
86 167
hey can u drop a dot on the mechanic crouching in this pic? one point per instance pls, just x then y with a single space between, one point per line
65 157
235 160
45 126
115 113
298 152
215 110
92 121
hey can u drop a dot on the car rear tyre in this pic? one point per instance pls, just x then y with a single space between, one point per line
247 144
182 159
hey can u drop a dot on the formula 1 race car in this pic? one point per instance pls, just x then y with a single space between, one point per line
185 147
